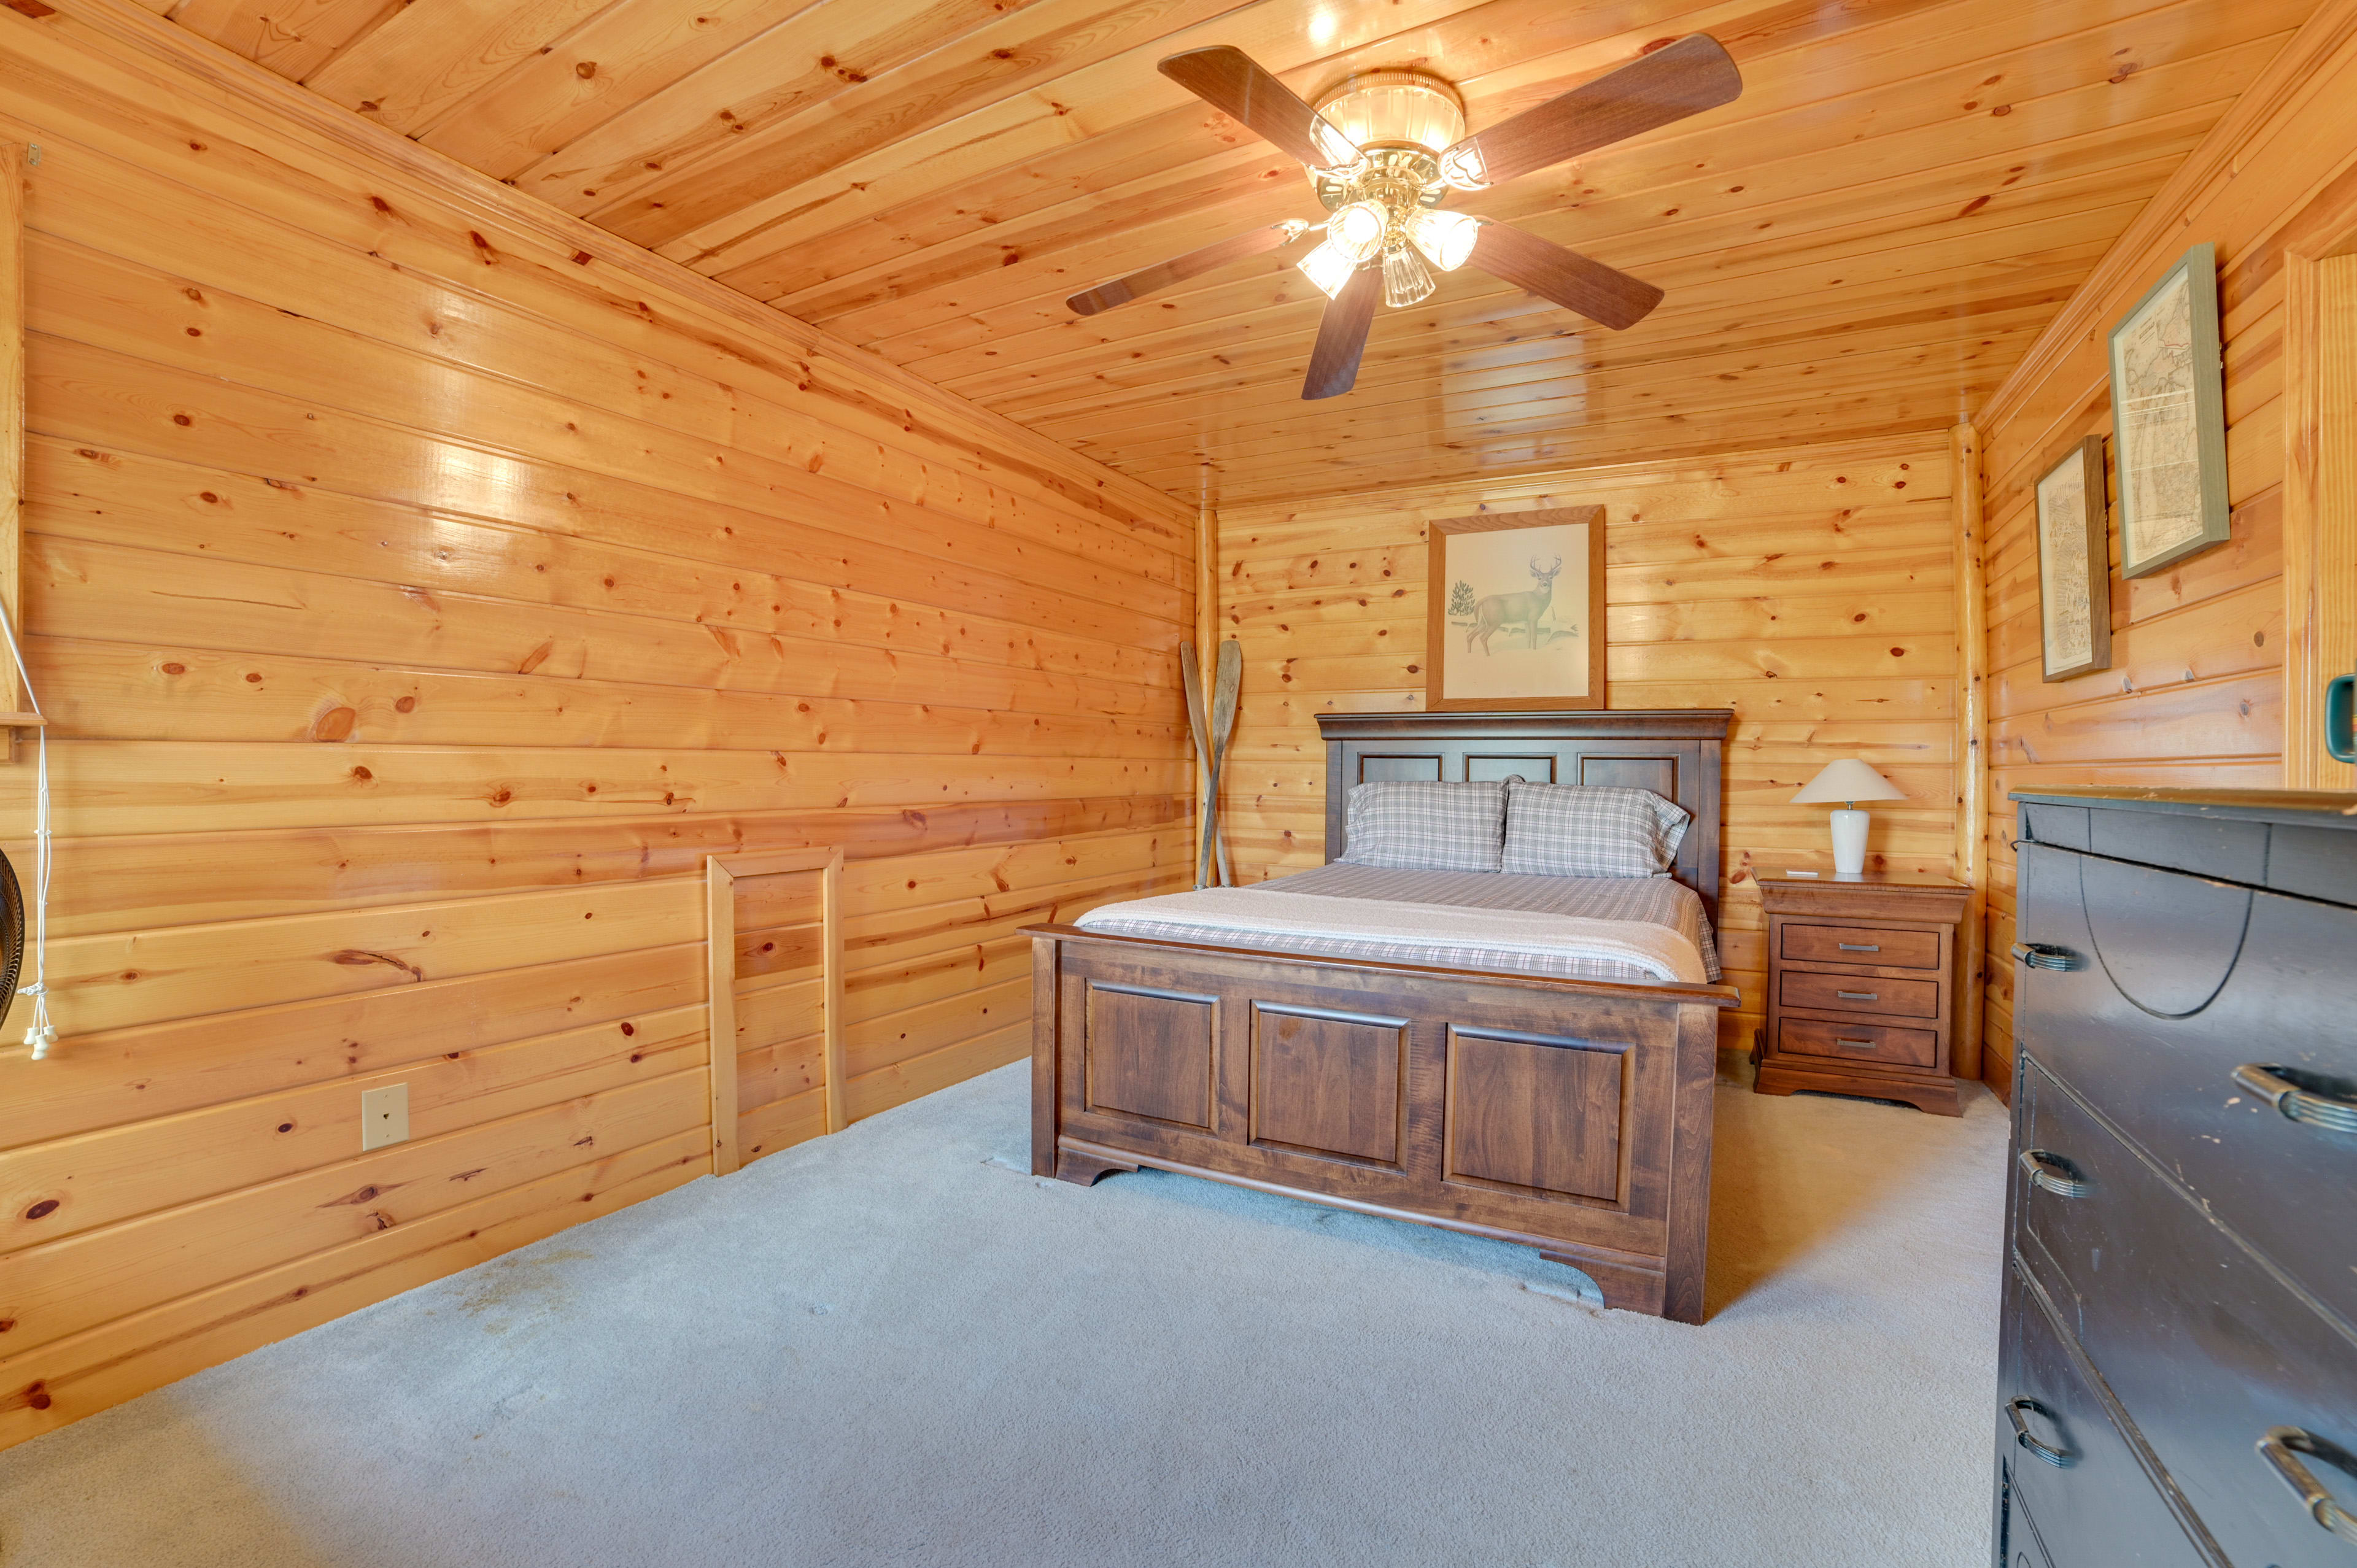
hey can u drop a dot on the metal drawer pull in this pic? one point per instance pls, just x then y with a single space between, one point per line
2045 955
2060 1458
1856 995
1855 1044
2055 1174
2334 1113
1859 947
2282 1448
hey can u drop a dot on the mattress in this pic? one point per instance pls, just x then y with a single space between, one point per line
1566 935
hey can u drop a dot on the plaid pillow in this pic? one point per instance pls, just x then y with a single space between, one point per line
1426 826
1564 830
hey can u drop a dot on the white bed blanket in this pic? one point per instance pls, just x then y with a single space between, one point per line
1345 923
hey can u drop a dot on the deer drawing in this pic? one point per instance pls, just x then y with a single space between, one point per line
1528 609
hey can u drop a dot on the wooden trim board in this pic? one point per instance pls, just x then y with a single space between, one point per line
1972 756
721 873
13 165
2319 526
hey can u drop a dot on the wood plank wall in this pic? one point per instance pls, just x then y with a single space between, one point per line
421 590
1811 589
2194 696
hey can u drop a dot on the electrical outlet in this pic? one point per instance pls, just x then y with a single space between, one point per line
384 1116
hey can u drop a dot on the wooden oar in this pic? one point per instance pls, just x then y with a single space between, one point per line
1223 723
1190 676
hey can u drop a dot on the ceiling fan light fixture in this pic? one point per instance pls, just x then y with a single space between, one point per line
1447 239
1407 280
1358 231
1328 267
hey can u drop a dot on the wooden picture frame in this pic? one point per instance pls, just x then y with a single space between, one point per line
2075 577
1520 650
2169 418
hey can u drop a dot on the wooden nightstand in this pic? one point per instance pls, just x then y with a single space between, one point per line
1862 987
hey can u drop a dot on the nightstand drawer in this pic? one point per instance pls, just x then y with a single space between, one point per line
1862 944
1860 994
1858 1042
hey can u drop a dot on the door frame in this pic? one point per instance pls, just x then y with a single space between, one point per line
2319 495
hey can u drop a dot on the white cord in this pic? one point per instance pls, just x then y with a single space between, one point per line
43 1034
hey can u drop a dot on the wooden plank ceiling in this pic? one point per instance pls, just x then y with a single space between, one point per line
1865 242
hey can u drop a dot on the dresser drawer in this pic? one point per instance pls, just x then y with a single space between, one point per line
2270 980
1860 994
2099 1508
1861 944
2206 1349
1858 1042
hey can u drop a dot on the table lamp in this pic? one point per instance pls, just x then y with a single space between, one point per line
1848 781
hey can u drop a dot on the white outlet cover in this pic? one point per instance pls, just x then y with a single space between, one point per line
384 1116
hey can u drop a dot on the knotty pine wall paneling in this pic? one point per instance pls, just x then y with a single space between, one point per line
2194 696
422 584
1811 589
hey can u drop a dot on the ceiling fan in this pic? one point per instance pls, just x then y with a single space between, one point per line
1384 151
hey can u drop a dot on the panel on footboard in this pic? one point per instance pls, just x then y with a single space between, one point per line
1151 1053
1330 1083
1541 1114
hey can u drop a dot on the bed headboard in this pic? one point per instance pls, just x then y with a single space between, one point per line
1676 752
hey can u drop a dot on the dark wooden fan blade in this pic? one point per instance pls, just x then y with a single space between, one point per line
1231 82
1682 79
1569 279
1342 336
1178 269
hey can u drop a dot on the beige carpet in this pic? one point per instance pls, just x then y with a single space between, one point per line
897 1347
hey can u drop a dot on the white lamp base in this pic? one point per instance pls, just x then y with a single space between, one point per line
1850 842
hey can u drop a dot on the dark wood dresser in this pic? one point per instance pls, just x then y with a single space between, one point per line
2179 1371
1861 986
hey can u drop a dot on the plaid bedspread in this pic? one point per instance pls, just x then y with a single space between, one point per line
1654 901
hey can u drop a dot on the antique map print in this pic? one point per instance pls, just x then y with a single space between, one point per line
2066 596
2157 366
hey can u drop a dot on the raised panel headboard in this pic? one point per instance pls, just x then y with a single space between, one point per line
1678 753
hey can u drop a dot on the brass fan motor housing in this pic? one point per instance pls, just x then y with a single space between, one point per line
1399 178
1402 119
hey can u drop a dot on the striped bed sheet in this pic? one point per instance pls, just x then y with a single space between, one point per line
1651 900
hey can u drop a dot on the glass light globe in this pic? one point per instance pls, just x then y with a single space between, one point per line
1407 279
1328 268
1446 237
1357 231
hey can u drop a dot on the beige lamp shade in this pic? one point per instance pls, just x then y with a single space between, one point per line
1846 780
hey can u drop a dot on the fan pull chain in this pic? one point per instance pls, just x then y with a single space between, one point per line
43 1034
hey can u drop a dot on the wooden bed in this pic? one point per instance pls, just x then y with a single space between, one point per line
1569 1115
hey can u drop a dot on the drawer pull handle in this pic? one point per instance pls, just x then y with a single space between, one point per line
2060 1458
2045 955
2334 1113
1855 1044
2055 1174
1857 995
2282 1448
1859 947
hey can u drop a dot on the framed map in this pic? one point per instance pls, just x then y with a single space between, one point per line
2169 418
1516 617
2074 574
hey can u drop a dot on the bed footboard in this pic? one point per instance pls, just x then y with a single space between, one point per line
1572 1116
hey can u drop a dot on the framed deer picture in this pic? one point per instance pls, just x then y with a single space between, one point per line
1517 611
